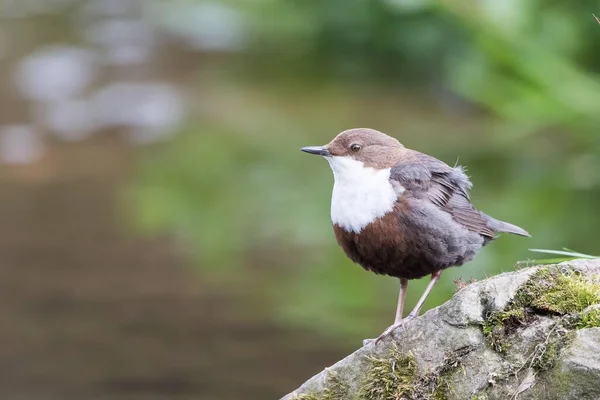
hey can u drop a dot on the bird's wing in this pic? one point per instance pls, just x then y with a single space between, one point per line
425 177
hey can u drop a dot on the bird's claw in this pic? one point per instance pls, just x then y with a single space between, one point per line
389 331
367 341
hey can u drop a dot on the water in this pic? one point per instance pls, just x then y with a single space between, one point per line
90 311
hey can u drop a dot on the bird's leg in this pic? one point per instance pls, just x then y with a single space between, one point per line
434 278
413 314
398 321
399 310
401 298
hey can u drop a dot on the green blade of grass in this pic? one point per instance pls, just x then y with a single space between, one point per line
564 253
544 261
578 253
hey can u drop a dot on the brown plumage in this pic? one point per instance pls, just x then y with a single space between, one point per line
393 245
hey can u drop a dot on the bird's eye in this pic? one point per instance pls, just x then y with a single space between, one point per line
355 147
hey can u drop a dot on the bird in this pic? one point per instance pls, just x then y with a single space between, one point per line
402 213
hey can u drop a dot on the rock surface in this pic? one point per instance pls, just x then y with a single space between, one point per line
529 334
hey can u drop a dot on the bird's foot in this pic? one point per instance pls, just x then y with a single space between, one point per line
390 330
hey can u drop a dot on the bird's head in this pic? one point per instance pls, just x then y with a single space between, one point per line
360 146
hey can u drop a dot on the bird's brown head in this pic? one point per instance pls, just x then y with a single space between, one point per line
369 146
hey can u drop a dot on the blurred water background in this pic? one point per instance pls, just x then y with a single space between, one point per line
163 238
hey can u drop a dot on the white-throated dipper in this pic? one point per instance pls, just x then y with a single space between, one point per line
402 213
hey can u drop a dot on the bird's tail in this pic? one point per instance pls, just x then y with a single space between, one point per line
505 227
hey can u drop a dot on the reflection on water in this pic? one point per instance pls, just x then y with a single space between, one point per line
55 73
100 67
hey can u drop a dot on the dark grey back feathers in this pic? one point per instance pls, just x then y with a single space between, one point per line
427 178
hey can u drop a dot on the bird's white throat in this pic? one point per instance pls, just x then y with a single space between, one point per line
360 194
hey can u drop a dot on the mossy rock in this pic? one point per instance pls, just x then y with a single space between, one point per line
533 333
550 291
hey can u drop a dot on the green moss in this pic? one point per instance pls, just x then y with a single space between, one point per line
406 383
443 377
559 292
548 358
310 396
334 389
544 358
390 378
498 325
566 384
396 377
589 319
442 389
548 291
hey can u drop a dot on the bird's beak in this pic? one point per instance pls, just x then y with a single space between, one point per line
318 150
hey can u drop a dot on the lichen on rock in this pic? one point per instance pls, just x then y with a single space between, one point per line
527 334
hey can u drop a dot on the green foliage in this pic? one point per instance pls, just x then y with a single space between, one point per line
527 62
370 39
514 72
